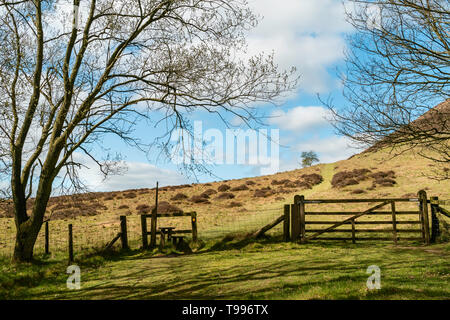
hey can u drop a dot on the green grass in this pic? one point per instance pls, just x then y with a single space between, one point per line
243 269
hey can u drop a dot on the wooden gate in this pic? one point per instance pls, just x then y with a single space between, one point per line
382 220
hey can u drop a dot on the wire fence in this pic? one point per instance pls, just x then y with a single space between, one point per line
89 234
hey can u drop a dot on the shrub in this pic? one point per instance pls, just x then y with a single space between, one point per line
385 182
250 182
224 188
124 206
242 187
303 184
209 192
199 199
348 178
234 204
312 179
383 174
358 191
143 209
290 184
226 195
130 195
263 193
165 207
179 196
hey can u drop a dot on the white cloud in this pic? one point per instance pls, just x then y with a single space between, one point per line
307 34
138 175
301 119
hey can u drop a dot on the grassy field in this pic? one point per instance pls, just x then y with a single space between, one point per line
240 269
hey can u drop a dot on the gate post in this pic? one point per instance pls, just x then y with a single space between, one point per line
435 232
286 222
302 218
424 212
295 219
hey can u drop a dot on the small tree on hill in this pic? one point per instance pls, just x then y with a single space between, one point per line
308 158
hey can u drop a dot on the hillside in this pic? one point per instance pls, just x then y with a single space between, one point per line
372 174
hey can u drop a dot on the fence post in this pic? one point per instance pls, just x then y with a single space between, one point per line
70 244
394 222
153 225
435 232
123 232
424 206
302 219
286 223
353 231
47 249
295 219
153 228
144 231
194 226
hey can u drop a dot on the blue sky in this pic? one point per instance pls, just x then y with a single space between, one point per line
307 34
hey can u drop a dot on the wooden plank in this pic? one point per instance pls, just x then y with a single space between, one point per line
348 219
394 222
439 202
444 212
111 243
365 222
318 201
181 231
170 215
286 222
367 230
340 213
367 239
266 228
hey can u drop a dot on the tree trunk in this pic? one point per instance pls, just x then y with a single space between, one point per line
25 240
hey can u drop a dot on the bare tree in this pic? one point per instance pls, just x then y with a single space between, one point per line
72 73
308 158
398 70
